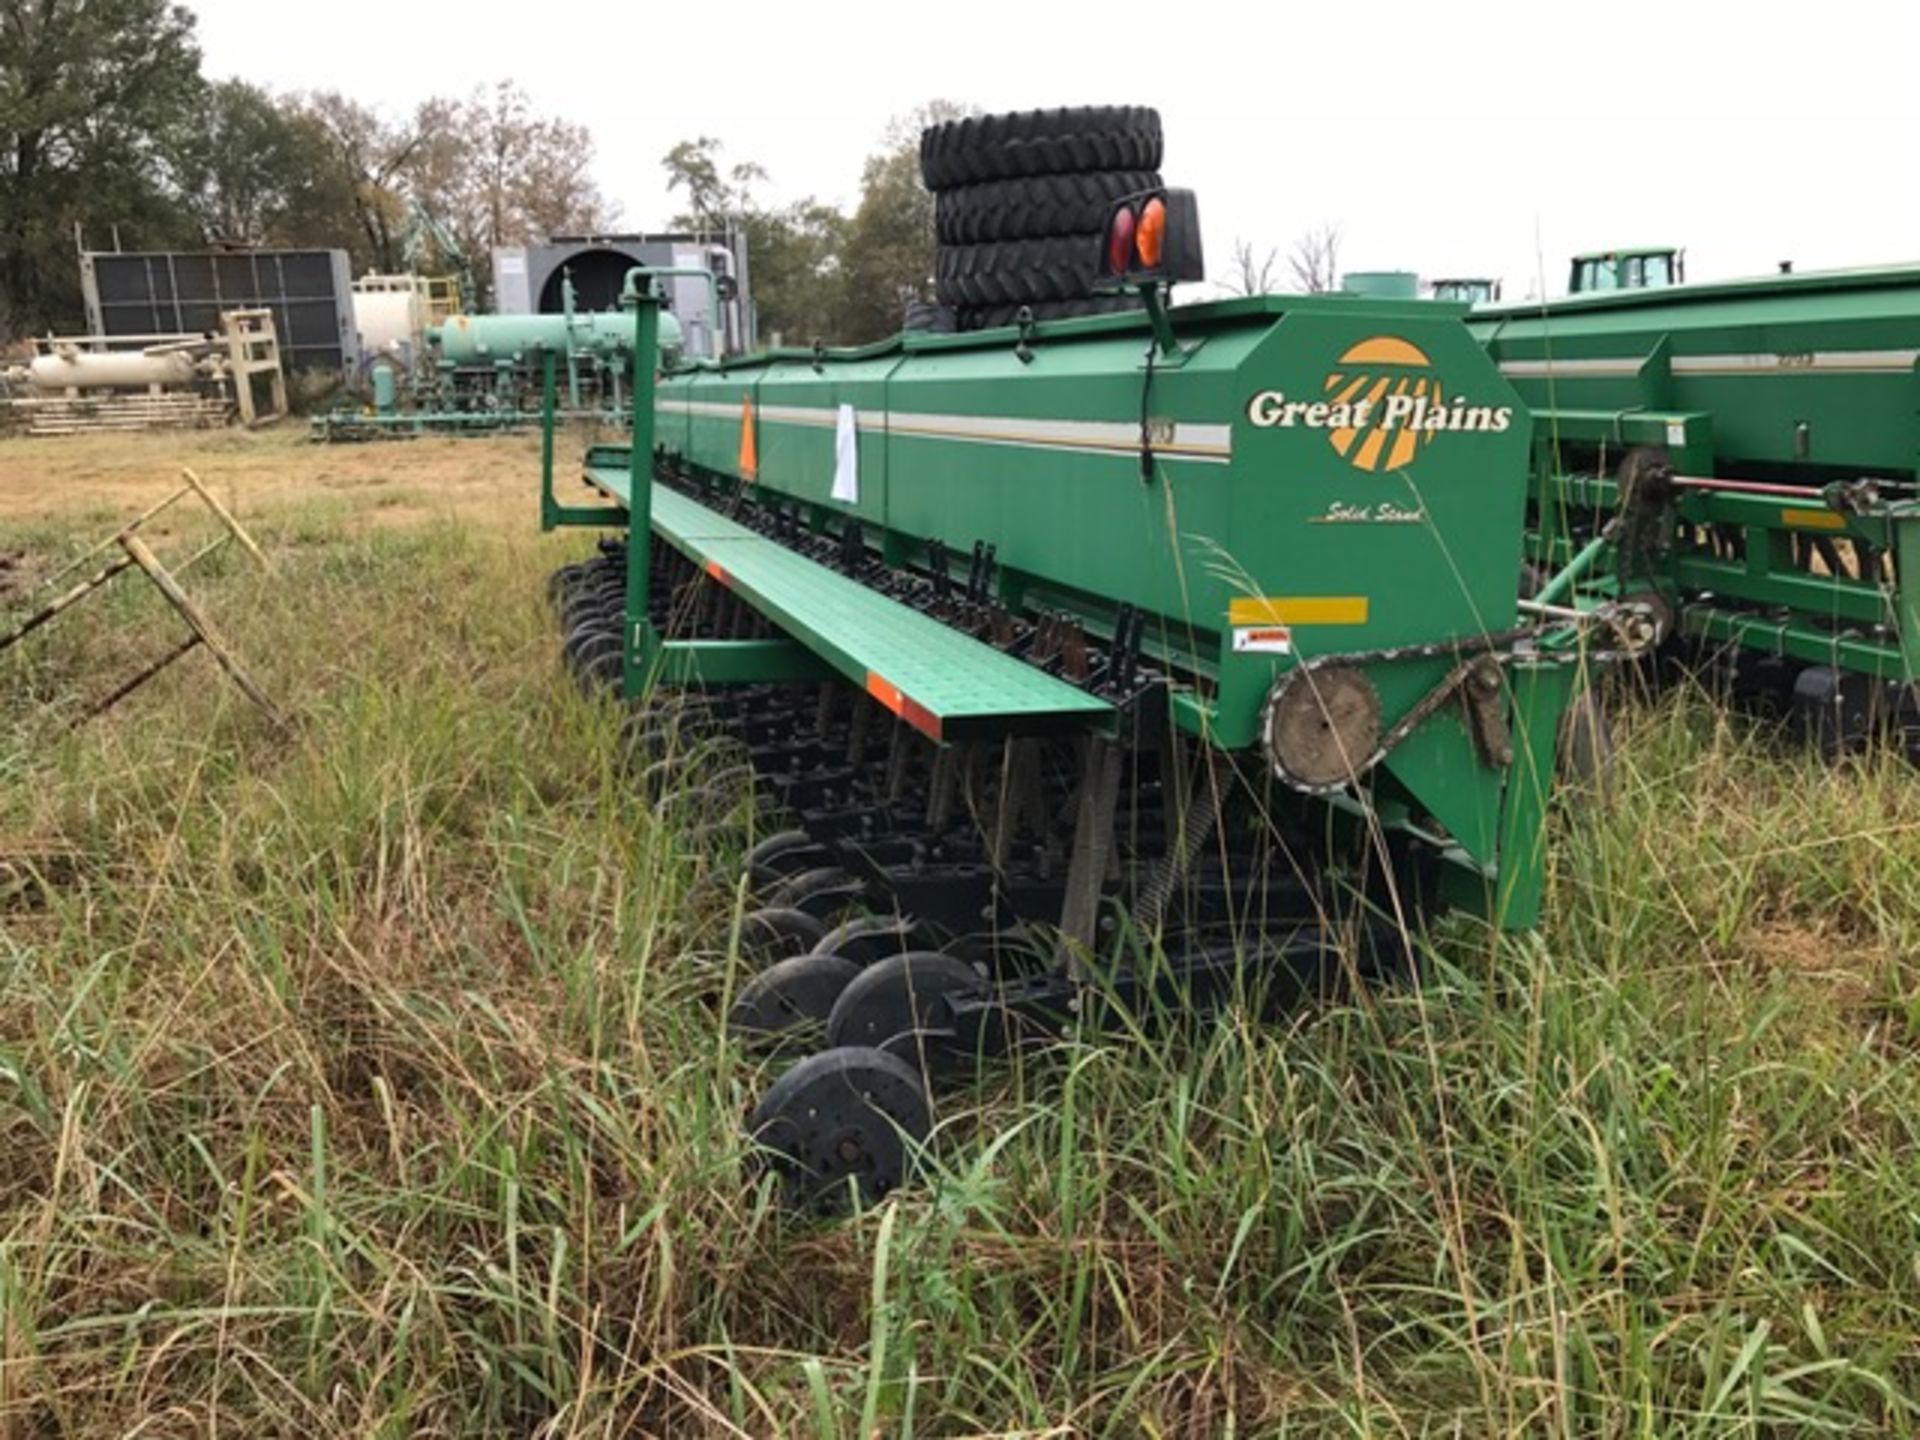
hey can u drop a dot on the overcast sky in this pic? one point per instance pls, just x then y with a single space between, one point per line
1489 138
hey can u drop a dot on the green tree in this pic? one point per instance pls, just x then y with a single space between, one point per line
793 251
794 263
716 198
888 257
437 191
240 164
363 160
889 248
89 91
321 201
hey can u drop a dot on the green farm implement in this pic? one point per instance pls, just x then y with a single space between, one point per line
1741 456
1138 658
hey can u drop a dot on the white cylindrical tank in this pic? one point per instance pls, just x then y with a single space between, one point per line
108 370
388 320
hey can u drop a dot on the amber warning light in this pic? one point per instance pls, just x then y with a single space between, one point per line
1153 236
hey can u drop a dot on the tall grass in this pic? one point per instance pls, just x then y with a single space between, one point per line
369 1081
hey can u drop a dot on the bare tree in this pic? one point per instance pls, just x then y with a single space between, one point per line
1315 259
372 156
1251 274
494 172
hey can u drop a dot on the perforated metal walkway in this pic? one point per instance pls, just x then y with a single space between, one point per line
945 684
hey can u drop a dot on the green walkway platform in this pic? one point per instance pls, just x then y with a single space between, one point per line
945 684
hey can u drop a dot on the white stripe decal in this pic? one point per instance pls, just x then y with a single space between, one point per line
1829 360
1825 362
1573 369
697 407
1189 441
796 415
1204 444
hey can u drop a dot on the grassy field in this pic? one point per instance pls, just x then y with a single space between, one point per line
367 1080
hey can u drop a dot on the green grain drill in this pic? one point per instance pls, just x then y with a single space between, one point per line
1142 658
1744 456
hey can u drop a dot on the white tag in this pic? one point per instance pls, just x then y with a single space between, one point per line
1262 640
846 458
1676 433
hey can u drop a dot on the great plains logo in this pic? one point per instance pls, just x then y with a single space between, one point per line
1381 404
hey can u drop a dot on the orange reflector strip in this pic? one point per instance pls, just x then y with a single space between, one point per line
897 700
1813 519
1298 610
717 571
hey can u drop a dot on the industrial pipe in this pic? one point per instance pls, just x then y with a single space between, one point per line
629 294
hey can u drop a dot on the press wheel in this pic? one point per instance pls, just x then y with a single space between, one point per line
793 995
824 893
839 1124
781 856
775 933
903 1005
866 939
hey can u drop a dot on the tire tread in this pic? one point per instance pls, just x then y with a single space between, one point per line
1017 272
1040 142
1034 206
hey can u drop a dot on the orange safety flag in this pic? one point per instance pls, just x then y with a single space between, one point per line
749 451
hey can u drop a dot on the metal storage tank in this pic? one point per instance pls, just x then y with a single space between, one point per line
527 280
467 340
110 370
390 314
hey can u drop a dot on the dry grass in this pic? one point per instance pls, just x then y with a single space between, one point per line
72 479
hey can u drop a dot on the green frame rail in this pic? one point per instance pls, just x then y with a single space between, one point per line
1765 599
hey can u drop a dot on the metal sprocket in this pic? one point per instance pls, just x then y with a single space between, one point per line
1321 726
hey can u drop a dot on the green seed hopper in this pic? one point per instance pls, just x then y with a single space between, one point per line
1768 433
1304 480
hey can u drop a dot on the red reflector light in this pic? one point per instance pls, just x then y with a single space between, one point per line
1120 243
1152 238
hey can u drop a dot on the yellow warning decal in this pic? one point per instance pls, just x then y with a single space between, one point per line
1298 610
1813 519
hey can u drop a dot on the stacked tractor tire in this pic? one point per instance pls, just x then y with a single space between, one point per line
1020 207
